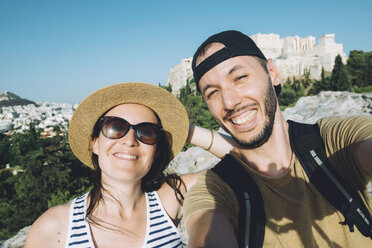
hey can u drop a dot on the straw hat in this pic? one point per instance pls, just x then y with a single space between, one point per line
170 110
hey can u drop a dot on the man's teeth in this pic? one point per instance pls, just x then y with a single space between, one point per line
125 156
244 118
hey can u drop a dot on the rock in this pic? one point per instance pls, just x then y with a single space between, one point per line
179 74
17 241
311 108
193 160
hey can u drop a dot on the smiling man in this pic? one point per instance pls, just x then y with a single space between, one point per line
240 87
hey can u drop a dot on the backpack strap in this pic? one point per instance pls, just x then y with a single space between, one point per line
251 227
309 149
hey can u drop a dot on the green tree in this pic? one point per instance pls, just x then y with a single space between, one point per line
197 110
324 81
21 143
357 68
168 88
287 96
4 150
368 59
320 85
50 175
6 210
306 80
340 77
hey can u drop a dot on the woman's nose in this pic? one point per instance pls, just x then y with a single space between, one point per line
130 138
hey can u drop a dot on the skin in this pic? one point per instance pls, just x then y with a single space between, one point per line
123 162
235 92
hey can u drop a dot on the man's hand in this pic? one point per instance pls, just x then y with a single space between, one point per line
210 228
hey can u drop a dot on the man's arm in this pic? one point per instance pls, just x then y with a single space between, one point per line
210 228
364 155
219 145
211 212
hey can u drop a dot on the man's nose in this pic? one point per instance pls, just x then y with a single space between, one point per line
230 98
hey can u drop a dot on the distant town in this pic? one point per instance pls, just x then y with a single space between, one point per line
42 115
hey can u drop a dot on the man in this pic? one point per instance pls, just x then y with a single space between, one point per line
238 84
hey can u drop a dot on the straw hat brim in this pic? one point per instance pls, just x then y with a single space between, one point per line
170 110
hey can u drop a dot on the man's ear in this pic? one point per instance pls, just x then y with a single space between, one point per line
273 72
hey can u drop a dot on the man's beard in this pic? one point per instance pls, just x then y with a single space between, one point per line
270 109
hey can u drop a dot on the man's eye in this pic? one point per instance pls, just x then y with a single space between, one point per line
211 93
241 77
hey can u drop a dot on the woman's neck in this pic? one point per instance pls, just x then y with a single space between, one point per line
122 196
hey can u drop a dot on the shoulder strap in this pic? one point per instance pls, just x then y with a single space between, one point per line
251 227
309 149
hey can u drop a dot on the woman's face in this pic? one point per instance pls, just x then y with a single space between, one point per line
126 159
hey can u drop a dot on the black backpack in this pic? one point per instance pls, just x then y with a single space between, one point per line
309 149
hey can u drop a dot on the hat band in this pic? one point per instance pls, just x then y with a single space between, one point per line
211 62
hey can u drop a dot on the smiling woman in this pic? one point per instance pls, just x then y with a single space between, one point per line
127 133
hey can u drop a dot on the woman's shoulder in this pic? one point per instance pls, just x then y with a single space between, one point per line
50 229
168 197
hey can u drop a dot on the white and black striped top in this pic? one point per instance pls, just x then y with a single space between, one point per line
160 230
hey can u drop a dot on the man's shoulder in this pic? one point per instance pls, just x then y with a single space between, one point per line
209 187
344 120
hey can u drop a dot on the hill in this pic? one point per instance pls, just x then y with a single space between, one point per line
11 99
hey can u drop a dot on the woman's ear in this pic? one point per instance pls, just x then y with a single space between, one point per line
95 146
273 72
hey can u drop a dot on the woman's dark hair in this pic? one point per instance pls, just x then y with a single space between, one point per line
152 181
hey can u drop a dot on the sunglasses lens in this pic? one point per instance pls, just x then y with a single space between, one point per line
114 128
147 133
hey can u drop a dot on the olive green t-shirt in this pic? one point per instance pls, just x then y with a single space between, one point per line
296 214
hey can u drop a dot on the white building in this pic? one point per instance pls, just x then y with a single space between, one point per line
293 56
44 116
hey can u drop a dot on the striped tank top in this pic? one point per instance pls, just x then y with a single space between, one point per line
160 230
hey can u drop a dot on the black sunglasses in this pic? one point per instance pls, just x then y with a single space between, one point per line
113 127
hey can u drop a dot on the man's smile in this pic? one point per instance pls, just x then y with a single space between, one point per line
243 118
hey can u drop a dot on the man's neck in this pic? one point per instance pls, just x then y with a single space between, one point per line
273 158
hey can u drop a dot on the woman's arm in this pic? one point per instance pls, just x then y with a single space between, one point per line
50 229
217 143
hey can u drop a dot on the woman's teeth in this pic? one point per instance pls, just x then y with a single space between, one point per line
125 156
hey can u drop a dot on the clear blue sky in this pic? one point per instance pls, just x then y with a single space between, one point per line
62 50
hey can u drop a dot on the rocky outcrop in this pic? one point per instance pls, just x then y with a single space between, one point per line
17 241
193 160
311 108
179 74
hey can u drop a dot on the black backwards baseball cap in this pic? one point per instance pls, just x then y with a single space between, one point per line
236 44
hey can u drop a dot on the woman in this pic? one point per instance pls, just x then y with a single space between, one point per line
127 133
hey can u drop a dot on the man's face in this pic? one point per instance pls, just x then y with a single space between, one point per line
241 98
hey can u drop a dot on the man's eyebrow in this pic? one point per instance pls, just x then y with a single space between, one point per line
235 68
205 88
